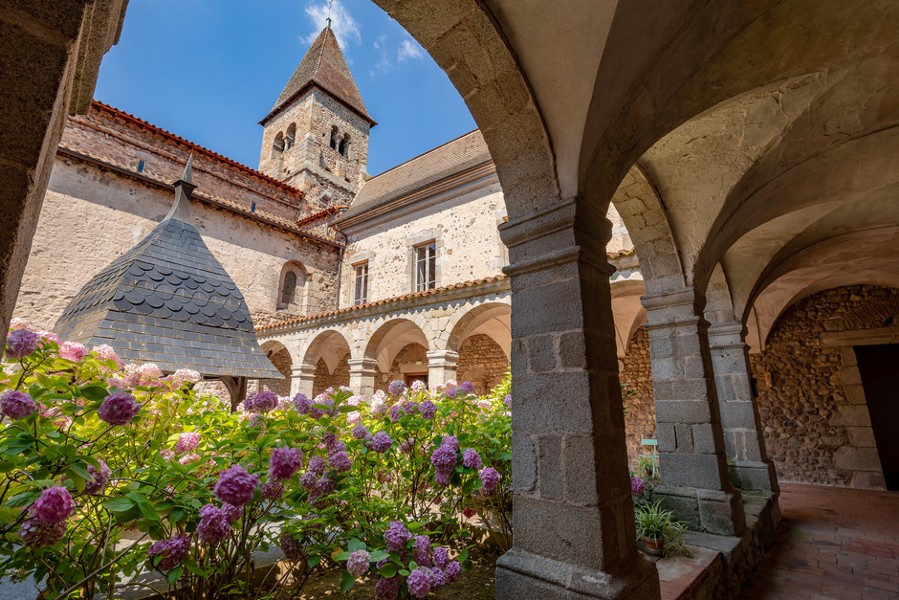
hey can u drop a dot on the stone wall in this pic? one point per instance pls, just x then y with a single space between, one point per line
467 241
412 358
636 379
812 409
324 378
281 360
91 215
482 362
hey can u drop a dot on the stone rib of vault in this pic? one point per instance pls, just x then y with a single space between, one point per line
170 302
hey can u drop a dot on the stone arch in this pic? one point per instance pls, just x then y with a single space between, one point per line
290 137
391 337
627 311
280 356
466 42
490 318
643 213
278 144
326 360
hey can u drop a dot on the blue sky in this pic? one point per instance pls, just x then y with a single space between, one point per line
209 70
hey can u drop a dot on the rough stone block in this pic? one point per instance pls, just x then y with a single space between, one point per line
549 466
868 481
553 403
691 470
703 438
855 415
524 463
576 531
850 458
572 349
862 437
682 411
541 353
684 434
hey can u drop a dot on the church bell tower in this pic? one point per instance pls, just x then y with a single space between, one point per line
315 138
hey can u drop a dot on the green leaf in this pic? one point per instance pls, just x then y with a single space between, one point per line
314 561
342 556
388 570
346 581
379 555
94 392
119 504
355 544
175 574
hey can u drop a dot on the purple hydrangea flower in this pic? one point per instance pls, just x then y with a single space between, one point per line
262 402
214 525
441 557
118 408
489 479
444 458
358 563
360 432
438 579
395 412
381 442
452 571
302 404
236 486
173 551
100 476
187 442
332 443
470 458
421 550
325 406
21 342
637 486
466 387
388 589
37 535
419 582
15 404
451 442
72 351
272 490
508 400
410 407
340 461
396 388
231 512
291 548
308 480
285 462
428 409
53 506
316 465
396 537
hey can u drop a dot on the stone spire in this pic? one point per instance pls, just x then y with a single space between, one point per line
184 189
323 66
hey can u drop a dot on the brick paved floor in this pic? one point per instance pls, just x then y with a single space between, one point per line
834 544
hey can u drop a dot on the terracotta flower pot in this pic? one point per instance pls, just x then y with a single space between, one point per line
654 546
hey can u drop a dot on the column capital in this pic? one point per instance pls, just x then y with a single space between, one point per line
302 370
564 233
362 365
442 357
727 336
678 307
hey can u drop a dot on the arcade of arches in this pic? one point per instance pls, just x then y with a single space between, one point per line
751 150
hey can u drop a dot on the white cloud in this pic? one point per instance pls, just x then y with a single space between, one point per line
409 50
346 29
384 64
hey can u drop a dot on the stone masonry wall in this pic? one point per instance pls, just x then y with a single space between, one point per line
324 378
482 362
467 240
281 360
814 431
412 358
636 379
91 215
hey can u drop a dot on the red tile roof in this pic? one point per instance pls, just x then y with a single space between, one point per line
290 321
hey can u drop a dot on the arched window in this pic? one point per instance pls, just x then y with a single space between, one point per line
290 138
344 147
278 144
291 291
335 137
289 288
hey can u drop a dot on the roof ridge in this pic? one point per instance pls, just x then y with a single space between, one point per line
423 154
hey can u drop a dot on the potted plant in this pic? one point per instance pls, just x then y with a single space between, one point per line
653 522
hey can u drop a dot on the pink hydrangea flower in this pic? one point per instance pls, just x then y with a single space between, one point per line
54 505
470 458
17 405
36 534
118 408
396 388
100 476
105 352
358 563
187 442
19 323
72 351
184 376
489 479
236 486
353 417
172 551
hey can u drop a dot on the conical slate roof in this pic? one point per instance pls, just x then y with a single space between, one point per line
170 302
325 67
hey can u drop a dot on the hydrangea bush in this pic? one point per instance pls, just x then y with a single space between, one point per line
110 470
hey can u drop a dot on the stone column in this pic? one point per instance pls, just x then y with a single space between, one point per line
362 375
302 378
691 443
573 521
442 366
749 466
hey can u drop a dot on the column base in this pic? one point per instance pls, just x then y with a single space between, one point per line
753 475
521 575
713 511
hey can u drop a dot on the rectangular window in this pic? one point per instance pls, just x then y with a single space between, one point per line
361 275
425 267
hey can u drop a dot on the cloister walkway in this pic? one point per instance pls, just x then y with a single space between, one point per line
834 543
